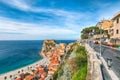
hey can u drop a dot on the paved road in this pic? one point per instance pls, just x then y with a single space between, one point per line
105 74
110 53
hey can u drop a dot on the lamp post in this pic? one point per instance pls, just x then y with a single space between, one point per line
91 37
93 32
100 38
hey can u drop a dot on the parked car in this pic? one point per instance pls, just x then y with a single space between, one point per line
110 45
96 42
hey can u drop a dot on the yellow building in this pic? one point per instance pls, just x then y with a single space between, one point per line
107 26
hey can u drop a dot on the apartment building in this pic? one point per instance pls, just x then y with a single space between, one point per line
116 26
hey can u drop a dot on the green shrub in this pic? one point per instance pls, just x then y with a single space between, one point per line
115 45
80 51
55 76
81 73
79 64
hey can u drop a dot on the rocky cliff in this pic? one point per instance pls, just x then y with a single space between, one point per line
48 45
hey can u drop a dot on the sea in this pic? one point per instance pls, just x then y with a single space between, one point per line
20 53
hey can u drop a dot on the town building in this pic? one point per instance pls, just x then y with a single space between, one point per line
116 26
98 24
111 27
107 26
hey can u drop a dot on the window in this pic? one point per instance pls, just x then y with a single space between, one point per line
117 20
117 31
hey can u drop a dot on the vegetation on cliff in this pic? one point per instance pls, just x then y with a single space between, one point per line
79 64
74 66
60 70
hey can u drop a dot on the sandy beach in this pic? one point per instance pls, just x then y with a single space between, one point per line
43 69
44 62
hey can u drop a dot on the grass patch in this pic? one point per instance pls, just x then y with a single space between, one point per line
81 73
80 64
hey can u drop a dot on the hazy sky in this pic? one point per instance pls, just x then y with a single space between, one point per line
51 19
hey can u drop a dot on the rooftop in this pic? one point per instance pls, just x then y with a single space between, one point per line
116 15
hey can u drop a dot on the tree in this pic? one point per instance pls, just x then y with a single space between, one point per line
84 36
86 31
108 36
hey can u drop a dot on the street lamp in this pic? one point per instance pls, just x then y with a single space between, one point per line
93 32
100 38
91 36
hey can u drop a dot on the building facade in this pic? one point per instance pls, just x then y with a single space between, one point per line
107 26
116 26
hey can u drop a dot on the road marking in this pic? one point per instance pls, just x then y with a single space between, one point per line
110 72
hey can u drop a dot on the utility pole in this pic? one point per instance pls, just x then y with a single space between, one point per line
93 32
100 38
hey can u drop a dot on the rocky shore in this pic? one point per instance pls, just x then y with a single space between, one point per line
44 69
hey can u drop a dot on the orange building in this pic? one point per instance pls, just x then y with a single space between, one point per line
106 25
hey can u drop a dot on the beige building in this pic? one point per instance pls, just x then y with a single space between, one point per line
116 26
112 27
99 24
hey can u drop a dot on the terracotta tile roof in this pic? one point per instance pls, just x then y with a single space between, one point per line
44 74
42 79
29 77
51 71
18 79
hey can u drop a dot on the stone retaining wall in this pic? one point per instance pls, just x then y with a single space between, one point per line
94 69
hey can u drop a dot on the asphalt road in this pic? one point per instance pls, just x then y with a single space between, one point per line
110 53
105 74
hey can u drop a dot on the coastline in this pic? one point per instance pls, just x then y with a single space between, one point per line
44 61
50 53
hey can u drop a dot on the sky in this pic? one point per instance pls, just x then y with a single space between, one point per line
52 19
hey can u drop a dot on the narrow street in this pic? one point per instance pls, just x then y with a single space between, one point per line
109 53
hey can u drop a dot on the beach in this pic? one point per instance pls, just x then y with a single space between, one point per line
43 69
43 62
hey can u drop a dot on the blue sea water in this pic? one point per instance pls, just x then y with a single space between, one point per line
17 54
